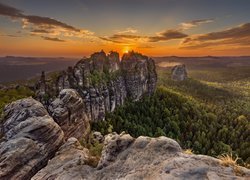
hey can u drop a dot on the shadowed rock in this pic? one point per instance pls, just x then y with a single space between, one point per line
68 111
30 139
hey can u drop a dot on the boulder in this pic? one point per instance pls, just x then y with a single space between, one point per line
30 139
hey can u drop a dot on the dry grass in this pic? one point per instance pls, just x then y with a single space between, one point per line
228 160
188 151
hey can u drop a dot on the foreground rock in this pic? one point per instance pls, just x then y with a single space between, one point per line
68 111
30 139
68 163
179 73
124 157
103 82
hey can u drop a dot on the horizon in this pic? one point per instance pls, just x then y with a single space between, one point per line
159 28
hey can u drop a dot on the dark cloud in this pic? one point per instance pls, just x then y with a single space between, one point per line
6 10
48 22
125 36
110 40
239 35
167 35
162 36
39 31
40 24
121 38
52 39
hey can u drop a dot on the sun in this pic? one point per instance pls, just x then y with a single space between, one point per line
125 49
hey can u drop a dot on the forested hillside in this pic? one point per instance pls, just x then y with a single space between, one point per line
208 117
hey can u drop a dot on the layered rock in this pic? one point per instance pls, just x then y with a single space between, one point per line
179 73
68 163
30 139
124 157
68 111
104 82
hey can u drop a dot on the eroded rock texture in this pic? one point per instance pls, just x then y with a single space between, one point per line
124 157
179 73
68 163
103 82
30 139
68 111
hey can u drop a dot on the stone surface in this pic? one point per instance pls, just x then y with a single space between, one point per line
124 157
179 73
104 82
68 111
97 137
30 139
67 164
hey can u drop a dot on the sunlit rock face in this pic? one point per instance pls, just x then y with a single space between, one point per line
179 73
125 157
104 81
30 137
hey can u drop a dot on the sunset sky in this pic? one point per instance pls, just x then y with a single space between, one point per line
74 28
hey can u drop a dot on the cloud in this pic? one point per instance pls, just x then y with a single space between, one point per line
110 40
52 39
128 30
239 35
167 35
194 23
6 10
48 22
10 35
40 24
162 36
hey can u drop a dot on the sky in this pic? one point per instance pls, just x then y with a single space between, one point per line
153 27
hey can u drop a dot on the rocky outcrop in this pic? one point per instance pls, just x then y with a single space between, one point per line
30 139
124 157
179 73
68 163
103 82
68 111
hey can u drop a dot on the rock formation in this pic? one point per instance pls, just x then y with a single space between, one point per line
30 137
124 157
68 163
68 111
179 73
103 82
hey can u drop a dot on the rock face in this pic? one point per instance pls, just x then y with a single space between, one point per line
68 111
103 82
30 138
179 73
67 164
124 157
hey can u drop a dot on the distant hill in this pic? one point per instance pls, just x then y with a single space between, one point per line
203 62
22 68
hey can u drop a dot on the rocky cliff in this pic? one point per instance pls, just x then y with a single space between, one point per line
124 157
101 83
32 146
